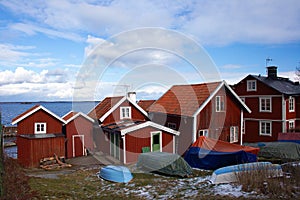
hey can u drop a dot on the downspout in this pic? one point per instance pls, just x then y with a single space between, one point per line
242 126
194 128
283 114
124 148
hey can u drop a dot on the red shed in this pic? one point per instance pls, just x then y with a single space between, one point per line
125 130
79 134
39 135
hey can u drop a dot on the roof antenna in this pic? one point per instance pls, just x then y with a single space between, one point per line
268 59
126 86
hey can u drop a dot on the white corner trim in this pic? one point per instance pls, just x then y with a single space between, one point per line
149 123
35 110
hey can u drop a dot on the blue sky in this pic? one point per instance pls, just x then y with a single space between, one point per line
44 45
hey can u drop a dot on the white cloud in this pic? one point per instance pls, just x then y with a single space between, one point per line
213 22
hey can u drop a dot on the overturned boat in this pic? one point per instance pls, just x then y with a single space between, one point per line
119 174
231 174
164 163
210 154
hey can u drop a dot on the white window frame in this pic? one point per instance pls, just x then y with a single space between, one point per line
220 103
291 104
291 124
123 112
263 100
262 130
38 126
234 134
160 140
204 131
172 125
251 85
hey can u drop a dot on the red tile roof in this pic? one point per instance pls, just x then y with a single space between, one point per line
69 115
145 104
24 113
103 107
184 99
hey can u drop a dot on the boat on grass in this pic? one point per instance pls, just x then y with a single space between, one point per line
119 174
230 174
164 163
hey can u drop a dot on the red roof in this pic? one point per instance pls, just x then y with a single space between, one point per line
145 104
26 112
103 107
69 115
184 99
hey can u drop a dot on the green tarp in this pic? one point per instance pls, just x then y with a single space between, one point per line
165 163
286 151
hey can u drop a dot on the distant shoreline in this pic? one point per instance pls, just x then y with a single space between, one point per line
35 102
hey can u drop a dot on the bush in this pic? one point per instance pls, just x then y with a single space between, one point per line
15 182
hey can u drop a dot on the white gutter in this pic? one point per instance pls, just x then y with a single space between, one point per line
124 148
242 126
283 115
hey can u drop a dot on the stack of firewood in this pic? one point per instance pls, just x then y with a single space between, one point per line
54 162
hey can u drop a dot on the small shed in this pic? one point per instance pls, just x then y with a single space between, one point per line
33 147
39 135
79 134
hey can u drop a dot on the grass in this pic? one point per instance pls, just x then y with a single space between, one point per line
267 182
84 184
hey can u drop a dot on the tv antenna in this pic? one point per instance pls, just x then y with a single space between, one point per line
268 59
126 87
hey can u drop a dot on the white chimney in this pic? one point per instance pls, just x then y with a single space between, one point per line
132 96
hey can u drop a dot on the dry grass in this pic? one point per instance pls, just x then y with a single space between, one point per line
267 182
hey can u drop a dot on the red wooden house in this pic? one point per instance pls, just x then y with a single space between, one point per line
79 134
39 135
125 130
274 103
210 109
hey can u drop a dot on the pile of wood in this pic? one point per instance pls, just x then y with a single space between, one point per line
54 162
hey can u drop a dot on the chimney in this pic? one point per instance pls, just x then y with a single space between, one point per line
272 71
132 96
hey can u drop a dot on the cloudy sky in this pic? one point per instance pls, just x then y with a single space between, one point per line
58 49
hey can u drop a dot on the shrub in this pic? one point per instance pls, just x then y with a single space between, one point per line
15 181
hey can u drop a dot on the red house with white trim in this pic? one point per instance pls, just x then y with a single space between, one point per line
210 109
79 134
39 135
274 102
125 130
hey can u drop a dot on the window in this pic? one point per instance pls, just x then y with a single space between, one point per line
172 125
125 112
265 128
220 104
39 128
291 104
251 85
203 132
265 104
291 125
234 134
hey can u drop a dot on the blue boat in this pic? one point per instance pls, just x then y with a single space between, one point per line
119 174
229 174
